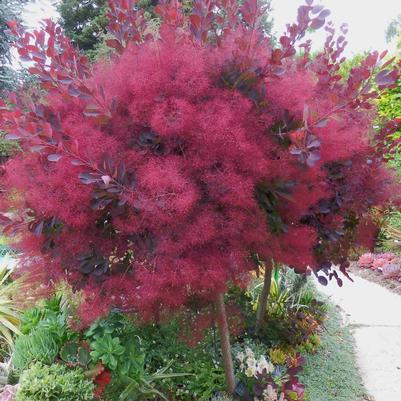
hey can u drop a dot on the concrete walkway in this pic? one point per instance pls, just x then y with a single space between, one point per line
374 314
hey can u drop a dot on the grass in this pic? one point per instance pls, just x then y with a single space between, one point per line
331 373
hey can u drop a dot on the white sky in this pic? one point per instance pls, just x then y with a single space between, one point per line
367 19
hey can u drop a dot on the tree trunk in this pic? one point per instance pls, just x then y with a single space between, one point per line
225 343
262 302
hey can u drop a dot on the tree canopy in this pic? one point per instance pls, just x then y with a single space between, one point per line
394 30
153 180
84 21
9 10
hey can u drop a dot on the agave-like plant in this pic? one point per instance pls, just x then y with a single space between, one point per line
9 311
141 385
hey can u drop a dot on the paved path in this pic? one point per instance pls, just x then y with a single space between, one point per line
374 314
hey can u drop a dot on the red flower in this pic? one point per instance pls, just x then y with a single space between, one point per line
101 381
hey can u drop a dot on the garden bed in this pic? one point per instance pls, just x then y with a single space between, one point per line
377 277
383 269
181 360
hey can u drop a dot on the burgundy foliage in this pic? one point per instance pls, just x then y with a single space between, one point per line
151 180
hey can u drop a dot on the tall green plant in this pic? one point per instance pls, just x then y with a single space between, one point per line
141 385
9 310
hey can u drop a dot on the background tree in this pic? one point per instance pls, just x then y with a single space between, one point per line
9 10
155 180
394 30
85 21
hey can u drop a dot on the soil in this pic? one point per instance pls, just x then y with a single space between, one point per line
376 277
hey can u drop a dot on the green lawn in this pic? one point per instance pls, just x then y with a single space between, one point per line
331 374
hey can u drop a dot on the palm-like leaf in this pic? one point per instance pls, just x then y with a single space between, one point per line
9 311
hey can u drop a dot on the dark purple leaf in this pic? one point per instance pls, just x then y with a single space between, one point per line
88 178
322 123
324 14
279 71
76 162
314 143
38 228
312 158
4 219
317 23
54 157
37 148
316 9
72 91
295 151
38 55
86 268
12 137
385 77
114 190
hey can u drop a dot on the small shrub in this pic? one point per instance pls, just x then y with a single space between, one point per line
56 382
38 346
45 331
149 349
261 380
108 350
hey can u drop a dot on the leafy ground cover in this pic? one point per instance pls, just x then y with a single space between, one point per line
331 373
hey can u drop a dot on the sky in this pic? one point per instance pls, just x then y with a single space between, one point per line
367 19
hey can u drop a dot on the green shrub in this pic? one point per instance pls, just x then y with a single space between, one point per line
157 354
38 346
389 107
7 148
55 382
389 239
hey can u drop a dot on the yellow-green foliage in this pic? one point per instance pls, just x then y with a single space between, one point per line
389 107
390 234
7 148
56 382
390 103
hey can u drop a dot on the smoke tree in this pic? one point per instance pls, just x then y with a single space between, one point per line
152 181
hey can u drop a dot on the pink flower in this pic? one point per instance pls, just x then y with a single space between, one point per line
9 393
